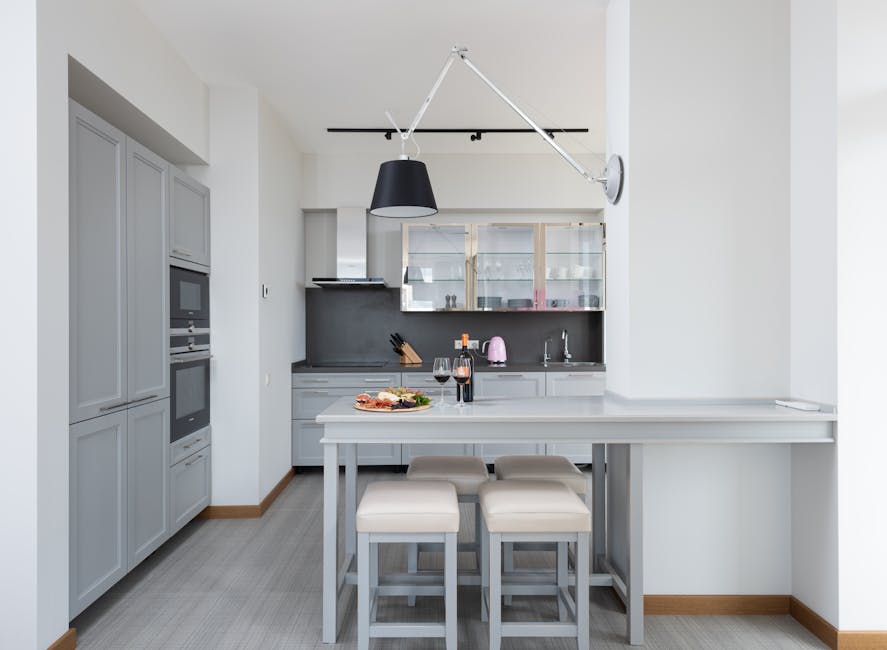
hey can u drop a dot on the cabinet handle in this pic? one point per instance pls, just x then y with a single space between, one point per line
430 381
509 376
194 461
583 376
316 392
318 381
376 381
192 443
135 401
183 251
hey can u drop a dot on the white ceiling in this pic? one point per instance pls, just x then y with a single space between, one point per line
342 63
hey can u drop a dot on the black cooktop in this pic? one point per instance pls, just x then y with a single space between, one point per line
350 364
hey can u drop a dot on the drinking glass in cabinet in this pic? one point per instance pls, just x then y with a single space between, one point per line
505 266
574 266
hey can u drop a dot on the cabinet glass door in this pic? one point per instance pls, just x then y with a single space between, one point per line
434 259
504 265
574 266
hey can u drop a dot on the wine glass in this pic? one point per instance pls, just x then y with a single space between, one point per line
442 374
461 373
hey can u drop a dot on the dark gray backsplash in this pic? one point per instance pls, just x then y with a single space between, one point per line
354 324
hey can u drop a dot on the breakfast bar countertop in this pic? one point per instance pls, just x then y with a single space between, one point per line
480 366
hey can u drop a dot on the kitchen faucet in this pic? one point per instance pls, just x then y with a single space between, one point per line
566 339
545 356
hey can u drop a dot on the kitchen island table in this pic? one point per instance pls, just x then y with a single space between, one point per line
623 425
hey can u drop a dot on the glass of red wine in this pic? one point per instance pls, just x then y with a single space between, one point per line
442 374
461 373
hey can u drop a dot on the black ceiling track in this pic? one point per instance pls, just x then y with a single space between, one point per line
475 133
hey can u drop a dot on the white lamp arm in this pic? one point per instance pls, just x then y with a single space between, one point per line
461 52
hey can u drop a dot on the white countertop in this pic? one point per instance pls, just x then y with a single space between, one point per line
592 419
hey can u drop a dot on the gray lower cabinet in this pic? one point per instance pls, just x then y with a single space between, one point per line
190 482
574 384
508 384
147 479
118 511
98 505
312 393
188 219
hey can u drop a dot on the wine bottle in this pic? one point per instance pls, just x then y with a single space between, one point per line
468 386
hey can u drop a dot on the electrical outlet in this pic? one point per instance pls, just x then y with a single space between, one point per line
473 344
266 290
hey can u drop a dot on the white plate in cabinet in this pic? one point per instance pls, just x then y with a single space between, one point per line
575 384
308 452
189 487
366 382
509 384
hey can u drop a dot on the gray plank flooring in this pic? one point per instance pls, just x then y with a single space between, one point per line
256 583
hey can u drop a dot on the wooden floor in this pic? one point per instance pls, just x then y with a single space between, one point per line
255 583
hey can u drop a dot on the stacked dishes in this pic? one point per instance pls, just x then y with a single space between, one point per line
489 302
520 302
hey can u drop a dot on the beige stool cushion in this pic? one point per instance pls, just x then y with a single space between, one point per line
542 468
532 507
407 507
465 472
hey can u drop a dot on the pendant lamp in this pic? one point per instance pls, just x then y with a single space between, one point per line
403 190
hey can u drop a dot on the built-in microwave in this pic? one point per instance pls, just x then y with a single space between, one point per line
188 299
189 393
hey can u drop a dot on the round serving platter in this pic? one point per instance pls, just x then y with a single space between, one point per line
360 407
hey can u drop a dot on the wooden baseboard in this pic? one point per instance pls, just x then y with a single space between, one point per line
717 605
821 628
67 641
248 512
862 640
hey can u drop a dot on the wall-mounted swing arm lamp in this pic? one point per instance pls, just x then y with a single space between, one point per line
403 188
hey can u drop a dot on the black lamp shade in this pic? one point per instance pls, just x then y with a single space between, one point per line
403 190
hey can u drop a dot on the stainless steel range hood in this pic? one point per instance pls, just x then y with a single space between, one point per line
351 252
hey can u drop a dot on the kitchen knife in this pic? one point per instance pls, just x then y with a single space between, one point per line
399 338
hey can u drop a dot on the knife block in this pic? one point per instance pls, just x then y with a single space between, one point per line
410 356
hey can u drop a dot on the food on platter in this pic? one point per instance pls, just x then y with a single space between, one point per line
393 399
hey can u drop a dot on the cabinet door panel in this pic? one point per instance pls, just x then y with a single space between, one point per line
189 219
308 402
189 490
98 500
97 261
308 452
509 384
147 274
147 444
574 384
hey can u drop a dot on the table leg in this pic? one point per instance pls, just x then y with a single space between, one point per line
635 623
330 542
599 505
350 499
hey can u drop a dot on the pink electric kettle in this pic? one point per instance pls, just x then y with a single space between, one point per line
496 353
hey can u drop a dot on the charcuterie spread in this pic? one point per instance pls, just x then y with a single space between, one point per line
393 400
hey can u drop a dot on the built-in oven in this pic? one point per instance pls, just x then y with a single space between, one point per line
188 299
189 392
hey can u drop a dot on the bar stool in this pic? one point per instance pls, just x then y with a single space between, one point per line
467 474
411 512
539 468
534 511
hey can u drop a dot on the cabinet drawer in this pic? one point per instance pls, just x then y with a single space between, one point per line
189 483
190 444
364 381
510 384
308 452
575 384
428 384
308 402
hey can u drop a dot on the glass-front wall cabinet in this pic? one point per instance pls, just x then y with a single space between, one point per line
504 267
435 259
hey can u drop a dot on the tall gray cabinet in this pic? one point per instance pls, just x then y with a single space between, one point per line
119 355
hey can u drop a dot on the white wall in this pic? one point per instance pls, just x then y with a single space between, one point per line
862 311
699 255
463 181
813 297
233 179
282 314
254 178
34 286
117 43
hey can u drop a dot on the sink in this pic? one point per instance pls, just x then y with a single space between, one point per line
571 364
